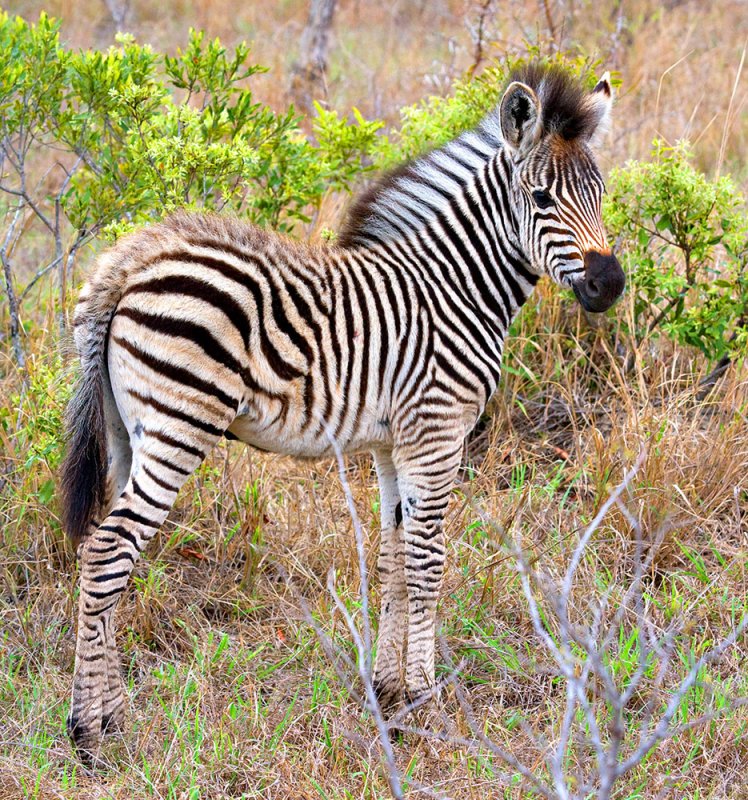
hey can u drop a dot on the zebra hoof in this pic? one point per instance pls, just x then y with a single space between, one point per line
388 692
86 739
421 694
113 723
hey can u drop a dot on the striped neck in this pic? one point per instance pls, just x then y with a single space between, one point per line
450 213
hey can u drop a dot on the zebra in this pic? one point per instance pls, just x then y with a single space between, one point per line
388 340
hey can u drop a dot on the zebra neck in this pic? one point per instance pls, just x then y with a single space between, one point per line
449 217
468 244
486 221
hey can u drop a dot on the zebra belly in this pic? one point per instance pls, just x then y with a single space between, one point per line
310 441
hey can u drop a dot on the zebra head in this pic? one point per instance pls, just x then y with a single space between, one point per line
549 126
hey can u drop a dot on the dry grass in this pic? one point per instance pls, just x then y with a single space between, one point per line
231 692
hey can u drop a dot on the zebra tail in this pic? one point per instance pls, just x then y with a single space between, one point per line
83 479
84 468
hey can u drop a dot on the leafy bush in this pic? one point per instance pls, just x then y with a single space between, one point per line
142 152
684 245
96 141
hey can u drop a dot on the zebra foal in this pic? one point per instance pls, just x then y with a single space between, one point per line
390 341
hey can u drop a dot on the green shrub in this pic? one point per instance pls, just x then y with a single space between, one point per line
683 240
141 151
123 136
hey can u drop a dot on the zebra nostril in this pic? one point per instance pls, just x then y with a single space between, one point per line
593 288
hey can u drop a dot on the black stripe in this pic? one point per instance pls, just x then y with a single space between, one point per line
110 576
133 516
100 612
474 150
202 290
120 530
158 481
177 374
148 499
106 561
169 465
176 443
184 329
92 657
175 413
364 351
100 595
349 397
381 325
283 322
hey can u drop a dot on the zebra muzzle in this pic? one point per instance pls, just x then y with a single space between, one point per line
602 283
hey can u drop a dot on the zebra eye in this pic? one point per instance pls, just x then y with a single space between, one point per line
542 198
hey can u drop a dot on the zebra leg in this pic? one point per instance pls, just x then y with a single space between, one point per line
425 484
120 465
394 604
107 557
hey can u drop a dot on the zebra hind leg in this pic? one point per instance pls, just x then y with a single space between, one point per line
118 472
388 679
120 465
107 558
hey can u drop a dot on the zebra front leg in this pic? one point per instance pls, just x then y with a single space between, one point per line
107 558
393 615
425 483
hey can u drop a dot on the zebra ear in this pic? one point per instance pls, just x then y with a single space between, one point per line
600 103
520 118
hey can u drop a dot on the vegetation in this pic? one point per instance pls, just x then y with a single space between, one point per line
233 692
685 243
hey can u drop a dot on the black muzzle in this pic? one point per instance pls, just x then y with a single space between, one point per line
602 283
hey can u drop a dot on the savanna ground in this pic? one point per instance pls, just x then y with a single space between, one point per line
232 693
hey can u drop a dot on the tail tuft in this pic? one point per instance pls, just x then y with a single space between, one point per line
84 469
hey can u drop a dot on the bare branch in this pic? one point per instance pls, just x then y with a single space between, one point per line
15 324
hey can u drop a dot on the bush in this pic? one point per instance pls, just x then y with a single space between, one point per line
94 142
684 245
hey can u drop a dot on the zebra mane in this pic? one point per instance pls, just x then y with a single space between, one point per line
566 109
406 197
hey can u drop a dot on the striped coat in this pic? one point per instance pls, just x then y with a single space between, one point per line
204 326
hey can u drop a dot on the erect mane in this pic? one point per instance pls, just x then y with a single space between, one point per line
378 213
565 107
